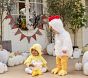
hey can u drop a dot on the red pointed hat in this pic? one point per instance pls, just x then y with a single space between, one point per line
53 17
56 23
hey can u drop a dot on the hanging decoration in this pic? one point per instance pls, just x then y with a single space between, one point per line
19 31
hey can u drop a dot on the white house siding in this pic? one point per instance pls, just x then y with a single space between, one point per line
85 36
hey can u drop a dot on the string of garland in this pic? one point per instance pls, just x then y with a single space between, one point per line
14 26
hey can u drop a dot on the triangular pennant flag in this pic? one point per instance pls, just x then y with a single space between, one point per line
38 32
18 32
28 38
22 37
34 36
41 26
8 16
11 21
14 26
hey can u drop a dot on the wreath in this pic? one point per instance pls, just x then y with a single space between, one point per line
37 25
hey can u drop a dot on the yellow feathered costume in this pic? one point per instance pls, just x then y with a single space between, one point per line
38 61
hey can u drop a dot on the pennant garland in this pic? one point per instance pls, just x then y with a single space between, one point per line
38 32
22 37
14 26
41 26
28 38
8 16
11 22
19 30
34 36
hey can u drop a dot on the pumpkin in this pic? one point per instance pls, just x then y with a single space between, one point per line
78 66
85 68
3 68
11 61
16 59
85 58
4 55
76 53
50 49
85 48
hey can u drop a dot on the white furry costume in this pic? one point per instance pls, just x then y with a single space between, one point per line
63 39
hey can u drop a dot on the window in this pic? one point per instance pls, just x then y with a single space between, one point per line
36 5
20 11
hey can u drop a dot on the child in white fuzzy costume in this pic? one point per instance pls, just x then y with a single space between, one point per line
63 45
35 63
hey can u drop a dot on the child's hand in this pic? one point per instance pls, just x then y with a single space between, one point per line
64 51
27 65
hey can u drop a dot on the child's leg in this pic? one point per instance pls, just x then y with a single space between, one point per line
28 70
36 72
58 63
64 62
58 66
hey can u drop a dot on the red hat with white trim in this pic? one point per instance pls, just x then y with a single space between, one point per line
56 23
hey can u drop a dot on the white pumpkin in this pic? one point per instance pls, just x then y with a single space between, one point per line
3 67
78 66
4 55
11 61
85 58
16 60
50 49
85 68
76 53
25 55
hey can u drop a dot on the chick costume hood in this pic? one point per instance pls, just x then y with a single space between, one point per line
38 48
62 39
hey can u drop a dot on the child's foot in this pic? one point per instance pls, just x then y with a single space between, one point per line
39 72
55 70
34 72
62 73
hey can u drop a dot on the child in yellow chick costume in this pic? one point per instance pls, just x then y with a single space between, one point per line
63 45
36 64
